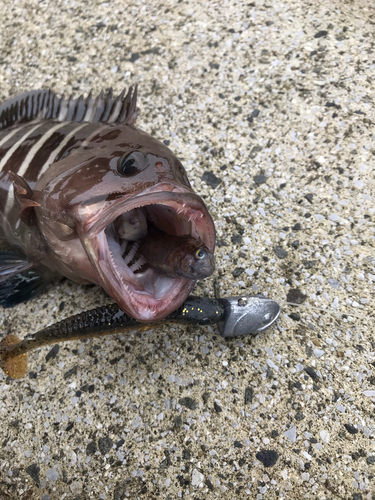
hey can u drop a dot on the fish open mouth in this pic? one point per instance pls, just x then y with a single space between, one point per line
123 272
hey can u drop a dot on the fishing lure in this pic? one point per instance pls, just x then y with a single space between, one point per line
79 183
233 315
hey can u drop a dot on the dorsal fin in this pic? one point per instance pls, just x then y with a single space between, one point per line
45 104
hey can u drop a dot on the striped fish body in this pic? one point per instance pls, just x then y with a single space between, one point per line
70 170
30 150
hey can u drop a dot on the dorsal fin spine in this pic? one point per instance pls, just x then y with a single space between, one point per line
34 107
98 108
125 106
133 101
116 108
61 109
77 111
48 104
37 106
89 108
42 109
28 104
69 111
55 107
88 102
107 106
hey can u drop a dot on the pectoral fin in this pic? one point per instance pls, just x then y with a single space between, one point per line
24 196
19 282
12 263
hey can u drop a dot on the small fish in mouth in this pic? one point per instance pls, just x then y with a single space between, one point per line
177 256
169 255
131 226
87 195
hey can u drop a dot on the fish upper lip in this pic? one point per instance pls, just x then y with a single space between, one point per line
164 193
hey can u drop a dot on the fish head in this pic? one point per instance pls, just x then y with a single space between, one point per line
88 198
193 259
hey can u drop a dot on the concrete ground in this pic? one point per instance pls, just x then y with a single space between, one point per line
276 100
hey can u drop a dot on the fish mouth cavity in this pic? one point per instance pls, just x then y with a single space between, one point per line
137 288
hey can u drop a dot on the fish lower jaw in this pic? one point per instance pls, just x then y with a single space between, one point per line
147 294
148 282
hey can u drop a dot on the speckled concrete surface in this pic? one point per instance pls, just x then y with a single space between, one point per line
276 100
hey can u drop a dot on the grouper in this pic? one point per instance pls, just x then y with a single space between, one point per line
86 195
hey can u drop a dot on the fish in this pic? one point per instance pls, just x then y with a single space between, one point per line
132 225
177 256
79 182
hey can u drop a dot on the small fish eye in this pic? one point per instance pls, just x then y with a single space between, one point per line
200 254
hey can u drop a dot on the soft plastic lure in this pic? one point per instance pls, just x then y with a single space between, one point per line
233 315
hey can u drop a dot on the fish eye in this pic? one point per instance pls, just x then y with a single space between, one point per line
128 165
200 254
